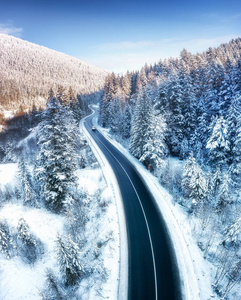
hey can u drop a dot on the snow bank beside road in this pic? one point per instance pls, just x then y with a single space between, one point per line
112 183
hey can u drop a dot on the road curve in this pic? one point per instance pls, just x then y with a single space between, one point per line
152 267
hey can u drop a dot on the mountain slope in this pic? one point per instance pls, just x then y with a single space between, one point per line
28 71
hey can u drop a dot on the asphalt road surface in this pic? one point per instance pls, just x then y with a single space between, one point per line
152 268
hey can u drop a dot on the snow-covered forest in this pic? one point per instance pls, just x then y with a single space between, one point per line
182 119
58 221
28 71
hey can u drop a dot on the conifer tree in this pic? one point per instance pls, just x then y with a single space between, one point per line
57 160
175 119
141 122
6 243
188 173
155 147
236 165
126 85
161 102
26 242
29 197
233 115
53 290
127 118
224 193
68 259
218 143
236 78
198 187
115 115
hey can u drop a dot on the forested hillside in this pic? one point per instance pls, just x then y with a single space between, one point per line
182 119
28 71
193 96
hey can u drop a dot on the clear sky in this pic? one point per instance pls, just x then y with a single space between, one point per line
121 35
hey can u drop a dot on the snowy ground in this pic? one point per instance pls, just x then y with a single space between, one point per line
100 253
196 273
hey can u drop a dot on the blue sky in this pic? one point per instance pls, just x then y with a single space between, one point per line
122 35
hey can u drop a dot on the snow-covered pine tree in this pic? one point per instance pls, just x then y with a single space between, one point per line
141 80
27 244
53 290
127 118
29 197
218 143
233 232
141 122
232 120
199 139
224 193
155 148
189 107
126 85
57 160
6 243
108 97
161 101
175 119
236 78
226 91
236 150
215 76
184 149
216 182
115 115
68 259
188 172
198 187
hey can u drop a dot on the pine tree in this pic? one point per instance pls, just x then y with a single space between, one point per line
57 160
184 149
189 107
6 243
26 242
161 102
155 147
126 85
141 122
115 115
68 259
236 155
224 193
29 197
234 113
198 187
127 118
188 172
236 78
233 232
226 91
175 119
215 76
141 80
53 289
214 183
218 143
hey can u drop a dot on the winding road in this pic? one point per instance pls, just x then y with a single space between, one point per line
152 267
